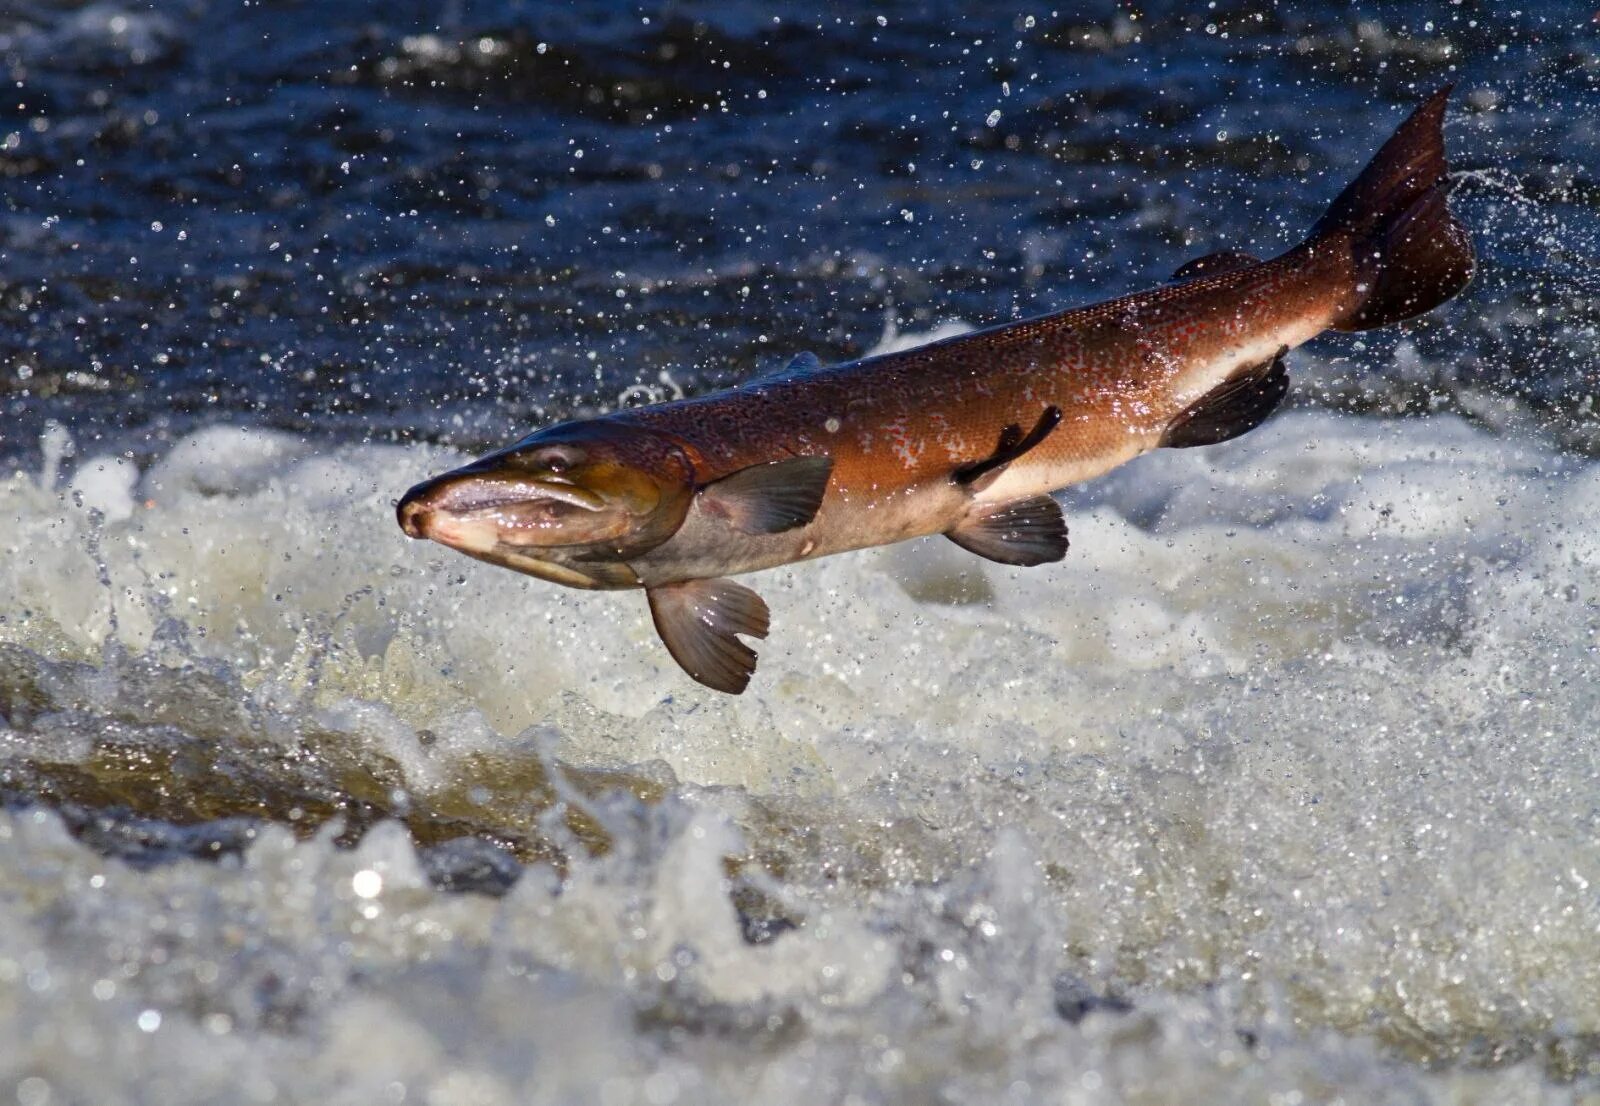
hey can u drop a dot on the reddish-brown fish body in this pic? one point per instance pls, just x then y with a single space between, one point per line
817 460
897 425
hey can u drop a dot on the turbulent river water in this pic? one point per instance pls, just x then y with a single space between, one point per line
1283 787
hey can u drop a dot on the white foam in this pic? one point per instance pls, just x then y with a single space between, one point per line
1293 749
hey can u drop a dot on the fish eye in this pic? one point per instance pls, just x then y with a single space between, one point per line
558 461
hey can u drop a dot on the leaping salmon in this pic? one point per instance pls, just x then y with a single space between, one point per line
966 437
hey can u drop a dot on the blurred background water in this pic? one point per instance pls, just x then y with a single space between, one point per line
1282 788
457 220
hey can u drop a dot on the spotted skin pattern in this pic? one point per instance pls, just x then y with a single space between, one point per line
898 426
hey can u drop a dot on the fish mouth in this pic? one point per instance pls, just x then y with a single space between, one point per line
466 501
501 516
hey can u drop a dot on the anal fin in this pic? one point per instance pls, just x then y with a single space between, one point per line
1022 532
1237 405
700 622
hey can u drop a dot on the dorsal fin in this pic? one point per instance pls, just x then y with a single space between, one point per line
1223 261
799 365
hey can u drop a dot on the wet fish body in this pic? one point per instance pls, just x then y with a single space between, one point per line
965 437
897 426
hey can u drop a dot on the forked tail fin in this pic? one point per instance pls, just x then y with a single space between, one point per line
1410 253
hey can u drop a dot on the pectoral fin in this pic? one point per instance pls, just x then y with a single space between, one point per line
1022 532
1013 444
1237 405
770 498
700 620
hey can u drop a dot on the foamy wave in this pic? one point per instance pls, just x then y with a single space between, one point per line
1286 758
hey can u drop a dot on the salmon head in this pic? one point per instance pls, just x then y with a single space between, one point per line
571 503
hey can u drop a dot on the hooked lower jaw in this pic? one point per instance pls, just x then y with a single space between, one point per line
419 519
477 532
480 535
444 510
413 518
470 535
531 526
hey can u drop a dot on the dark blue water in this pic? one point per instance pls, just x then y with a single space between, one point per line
1281 787
451 221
